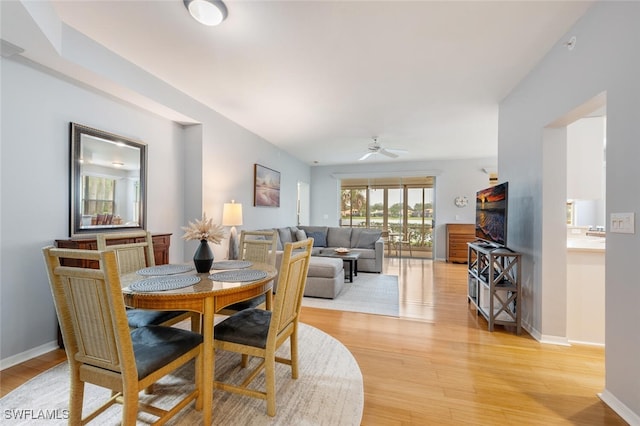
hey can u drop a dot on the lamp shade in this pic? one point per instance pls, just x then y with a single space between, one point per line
232 214
207 12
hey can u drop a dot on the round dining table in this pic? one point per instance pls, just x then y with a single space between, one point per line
205 297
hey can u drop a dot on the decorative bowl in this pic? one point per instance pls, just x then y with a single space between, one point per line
342 250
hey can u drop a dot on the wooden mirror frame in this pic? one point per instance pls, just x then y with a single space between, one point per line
109 155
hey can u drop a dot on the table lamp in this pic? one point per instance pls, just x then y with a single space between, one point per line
232 216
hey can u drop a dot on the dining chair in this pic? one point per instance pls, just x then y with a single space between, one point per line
386 237
400 243
259 333
102 349
132 257
255 246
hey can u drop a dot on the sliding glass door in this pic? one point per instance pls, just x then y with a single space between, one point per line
401 208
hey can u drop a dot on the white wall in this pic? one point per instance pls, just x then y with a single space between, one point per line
605 59
453 178
36 111
191 169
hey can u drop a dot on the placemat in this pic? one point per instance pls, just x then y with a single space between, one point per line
165 270
164 283
231 264
238 275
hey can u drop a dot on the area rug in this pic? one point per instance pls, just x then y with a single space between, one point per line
369 293
328 391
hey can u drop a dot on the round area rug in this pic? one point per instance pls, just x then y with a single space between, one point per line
328 391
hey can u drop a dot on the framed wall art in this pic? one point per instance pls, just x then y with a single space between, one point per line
266 184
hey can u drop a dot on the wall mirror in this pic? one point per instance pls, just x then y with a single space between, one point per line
108 182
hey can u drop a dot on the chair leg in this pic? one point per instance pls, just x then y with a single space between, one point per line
198 365
129 406
196 322
245 361
293 340
75 399
270 382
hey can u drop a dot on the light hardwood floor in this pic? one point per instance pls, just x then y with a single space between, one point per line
438 365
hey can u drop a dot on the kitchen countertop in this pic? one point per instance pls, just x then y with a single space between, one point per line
587 244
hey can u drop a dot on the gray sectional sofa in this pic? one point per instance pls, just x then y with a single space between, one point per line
326 275
367 242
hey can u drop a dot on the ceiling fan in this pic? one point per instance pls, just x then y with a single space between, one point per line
376 148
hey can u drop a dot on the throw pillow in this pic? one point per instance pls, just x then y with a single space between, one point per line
301 235
319 239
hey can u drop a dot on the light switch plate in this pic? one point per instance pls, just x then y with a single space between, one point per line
622 223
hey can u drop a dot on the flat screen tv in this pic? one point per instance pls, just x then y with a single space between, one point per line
491 214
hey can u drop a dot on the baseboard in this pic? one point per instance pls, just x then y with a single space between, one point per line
585 343
555 340
543 338
621 409
27 355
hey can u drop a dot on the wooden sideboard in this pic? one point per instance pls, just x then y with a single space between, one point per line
161 243
458 235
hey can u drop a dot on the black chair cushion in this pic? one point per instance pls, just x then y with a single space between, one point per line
248 304
144 317
249 327
155 346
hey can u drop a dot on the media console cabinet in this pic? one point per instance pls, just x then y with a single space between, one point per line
495 284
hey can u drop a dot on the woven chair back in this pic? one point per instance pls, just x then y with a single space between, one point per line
259 246
91 309
291 283
130 256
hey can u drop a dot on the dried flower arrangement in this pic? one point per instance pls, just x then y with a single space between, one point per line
204 229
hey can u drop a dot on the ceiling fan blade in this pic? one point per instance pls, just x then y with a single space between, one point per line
388 153
397 150
364 157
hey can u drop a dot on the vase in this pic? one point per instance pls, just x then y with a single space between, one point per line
203 257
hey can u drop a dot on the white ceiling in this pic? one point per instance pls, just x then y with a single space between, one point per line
320 78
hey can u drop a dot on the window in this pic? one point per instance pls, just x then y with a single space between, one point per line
98 195
353 207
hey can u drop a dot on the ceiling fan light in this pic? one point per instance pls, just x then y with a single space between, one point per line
207 12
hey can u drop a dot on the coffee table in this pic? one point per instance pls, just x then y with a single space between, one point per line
351 258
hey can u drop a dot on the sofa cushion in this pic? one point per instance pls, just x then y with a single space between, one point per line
301 235
365 238
285 235
319 239
339 237
364 253
327 267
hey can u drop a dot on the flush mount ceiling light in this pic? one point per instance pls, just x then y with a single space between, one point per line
207 12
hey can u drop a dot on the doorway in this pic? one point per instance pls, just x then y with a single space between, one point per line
572 261
302 204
